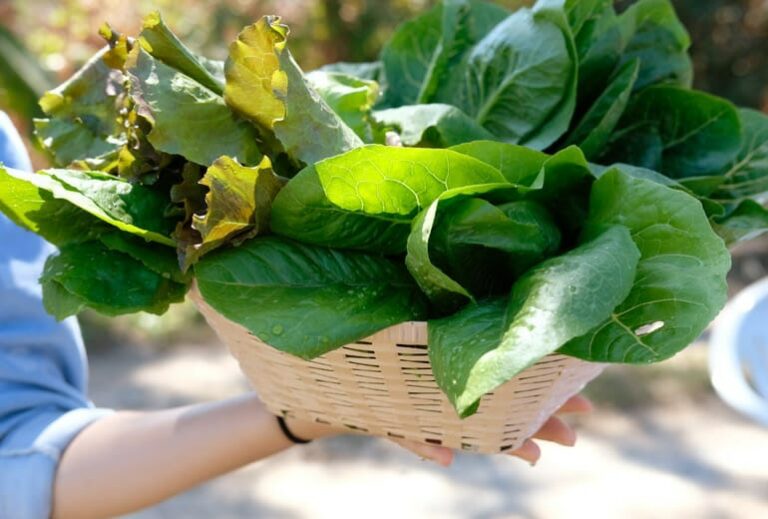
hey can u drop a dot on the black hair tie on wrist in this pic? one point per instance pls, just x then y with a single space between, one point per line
288 434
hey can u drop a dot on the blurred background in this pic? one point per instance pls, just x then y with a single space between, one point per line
660 444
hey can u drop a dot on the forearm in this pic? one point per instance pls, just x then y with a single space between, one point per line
132 460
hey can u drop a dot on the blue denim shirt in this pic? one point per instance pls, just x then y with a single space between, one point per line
43 370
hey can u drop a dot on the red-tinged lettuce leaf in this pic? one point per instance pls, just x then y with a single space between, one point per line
91 275
239 202
187 118
266 85
479 348
307 300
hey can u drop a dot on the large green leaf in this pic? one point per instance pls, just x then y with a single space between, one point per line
162 260
266 85
84 122
90 274
131 208
678 132
657 38
680 285
519 82
350 97
594 130
159 41
36 209
433 125
368 70
747 175
238 204
417 57
366 199
307 300
483 346
187 118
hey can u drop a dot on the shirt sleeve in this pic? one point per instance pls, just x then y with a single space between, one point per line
43 369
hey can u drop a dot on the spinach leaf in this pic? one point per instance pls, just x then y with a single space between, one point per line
340 297
486 344
187 118
433 125
366 198
90 274
680 133
680 285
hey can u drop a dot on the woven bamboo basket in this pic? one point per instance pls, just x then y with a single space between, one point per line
384 386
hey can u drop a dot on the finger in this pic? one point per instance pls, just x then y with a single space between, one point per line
529 452
576 404
440 455
556 430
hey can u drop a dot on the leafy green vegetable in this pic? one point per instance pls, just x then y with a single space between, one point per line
519 82
594 130
479 348
266 85
187 118
89 274
678 132
747 175
366 199
239 201
350 97
340 296
746 221
434 125
158 40
680 285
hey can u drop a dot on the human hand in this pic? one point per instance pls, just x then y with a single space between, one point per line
554 430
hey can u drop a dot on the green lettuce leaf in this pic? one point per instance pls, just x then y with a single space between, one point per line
659 40
187 118
518 164
84 123
266 85
367 71
160 42
418 55
433 125
747 174
37 210
366 199
340 297
486 344
90 274
744 222
519 82
678 132
594 130
680 285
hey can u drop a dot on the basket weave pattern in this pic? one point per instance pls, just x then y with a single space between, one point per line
384 386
